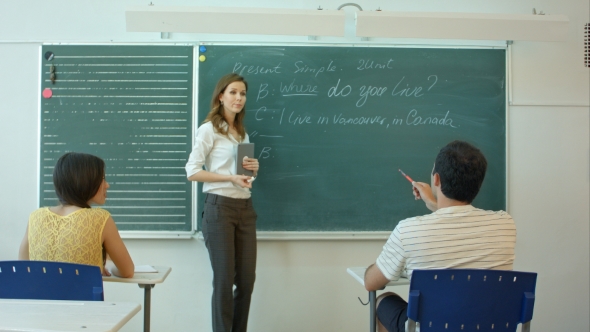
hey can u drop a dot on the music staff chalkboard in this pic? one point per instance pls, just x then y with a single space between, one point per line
131 106
332 125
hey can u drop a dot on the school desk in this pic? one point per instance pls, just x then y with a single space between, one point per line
358 273
64 316
147 281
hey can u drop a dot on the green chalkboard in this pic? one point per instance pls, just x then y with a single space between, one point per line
332 126
131 106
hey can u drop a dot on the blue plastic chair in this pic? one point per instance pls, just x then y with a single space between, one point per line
471 300
43 280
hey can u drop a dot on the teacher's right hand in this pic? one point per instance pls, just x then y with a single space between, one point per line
241 181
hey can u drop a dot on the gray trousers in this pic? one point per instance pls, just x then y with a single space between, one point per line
229 229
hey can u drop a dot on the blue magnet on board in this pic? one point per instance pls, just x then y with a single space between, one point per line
202 49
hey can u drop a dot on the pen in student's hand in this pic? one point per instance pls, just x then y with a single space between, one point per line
404 174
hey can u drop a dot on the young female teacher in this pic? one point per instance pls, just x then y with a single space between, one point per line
229 220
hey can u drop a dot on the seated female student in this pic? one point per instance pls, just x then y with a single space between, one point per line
73 231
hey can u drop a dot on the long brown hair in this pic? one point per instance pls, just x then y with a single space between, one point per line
216 113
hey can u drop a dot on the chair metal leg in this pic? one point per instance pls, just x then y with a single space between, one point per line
526 327
411 325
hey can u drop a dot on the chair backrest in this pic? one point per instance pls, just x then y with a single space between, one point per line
43 280
471 300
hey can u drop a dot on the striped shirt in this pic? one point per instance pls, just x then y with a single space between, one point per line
460 237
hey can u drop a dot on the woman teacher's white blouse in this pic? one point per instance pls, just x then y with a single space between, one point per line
218 154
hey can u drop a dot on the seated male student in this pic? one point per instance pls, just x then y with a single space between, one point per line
456 235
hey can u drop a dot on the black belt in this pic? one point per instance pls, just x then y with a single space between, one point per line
223 200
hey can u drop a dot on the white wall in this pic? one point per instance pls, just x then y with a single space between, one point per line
303 285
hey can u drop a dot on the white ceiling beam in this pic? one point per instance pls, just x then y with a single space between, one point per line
231 20
473 26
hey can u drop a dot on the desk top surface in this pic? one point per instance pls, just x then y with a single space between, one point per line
144 278
53 315
358 273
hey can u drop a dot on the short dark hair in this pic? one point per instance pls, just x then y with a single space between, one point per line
77 178
461 168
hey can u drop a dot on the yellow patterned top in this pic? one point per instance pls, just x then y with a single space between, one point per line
75 238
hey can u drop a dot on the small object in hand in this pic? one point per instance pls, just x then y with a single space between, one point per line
404 175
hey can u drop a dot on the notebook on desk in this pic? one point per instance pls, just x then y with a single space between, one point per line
145 269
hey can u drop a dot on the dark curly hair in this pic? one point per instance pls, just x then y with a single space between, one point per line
462 169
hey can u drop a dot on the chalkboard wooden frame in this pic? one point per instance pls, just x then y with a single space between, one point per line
132 105
419 174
